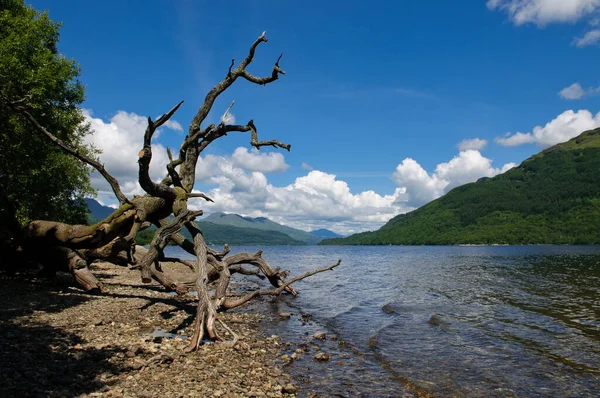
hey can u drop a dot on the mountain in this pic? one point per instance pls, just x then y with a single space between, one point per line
98 211
263 224
551 198
325 234
216 234
213 233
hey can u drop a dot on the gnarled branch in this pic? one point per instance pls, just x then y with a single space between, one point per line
254 136
233 303
145 156
112 181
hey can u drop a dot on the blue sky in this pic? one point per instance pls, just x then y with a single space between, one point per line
376 93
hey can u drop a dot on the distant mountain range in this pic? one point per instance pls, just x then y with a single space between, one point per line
551 198
220 228
262 223
325 234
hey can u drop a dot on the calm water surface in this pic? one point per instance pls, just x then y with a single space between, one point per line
508 321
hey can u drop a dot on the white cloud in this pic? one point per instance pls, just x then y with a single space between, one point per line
565 126
420 187
543 12
591 37
307 166
120 140
174 125
313 201
575 91
239 184
265 162
475 143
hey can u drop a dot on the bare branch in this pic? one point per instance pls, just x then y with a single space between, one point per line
275 277
199 195
161 238
219 255
254 136
232 75
233 303
145 156
230 66
165 118
265 80
114 184
224 118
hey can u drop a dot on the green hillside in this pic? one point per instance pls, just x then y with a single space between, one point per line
220 234
551 198
214 234
263 224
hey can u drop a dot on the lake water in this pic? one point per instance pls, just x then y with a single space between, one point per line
507 321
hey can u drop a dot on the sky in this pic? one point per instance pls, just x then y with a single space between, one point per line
387 104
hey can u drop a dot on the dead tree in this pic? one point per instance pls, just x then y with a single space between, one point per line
165 205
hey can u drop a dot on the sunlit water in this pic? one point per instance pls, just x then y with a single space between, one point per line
509 321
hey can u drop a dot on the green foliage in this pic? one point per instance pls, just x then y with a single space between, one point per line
551 198
37 180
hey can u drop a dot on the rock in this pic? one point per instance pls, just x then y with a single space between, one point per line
284 357
436 319
242 346
289 389
319 336
322 357
285 315
130 354
388 309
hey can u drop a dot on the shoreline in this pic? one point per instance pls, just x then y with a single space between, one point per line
60 341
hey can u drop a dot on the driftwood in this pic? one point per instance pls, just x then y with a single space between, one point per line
74 247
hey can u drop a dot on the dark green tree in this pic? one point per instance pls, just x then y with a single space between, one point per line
37 179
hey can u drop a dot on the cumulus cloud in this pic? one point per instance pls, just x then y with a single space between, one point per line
543 12
420 187
575 91
313 201
120 140
271 162
238 183
565 126
474 143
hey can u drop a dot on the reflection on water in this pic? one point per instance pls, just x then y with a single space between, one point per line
467 321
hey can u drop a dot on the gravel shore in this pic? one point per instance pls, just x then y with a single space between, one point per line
129 342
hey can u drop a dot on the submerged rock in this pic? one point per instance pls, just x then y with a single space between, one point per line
322 357
436 319
388 309
319 336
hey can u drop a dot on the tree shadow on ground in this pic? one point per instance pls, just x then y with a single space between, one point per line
40 360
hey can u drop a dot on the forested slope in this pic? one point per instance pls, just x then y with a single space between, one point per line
551 198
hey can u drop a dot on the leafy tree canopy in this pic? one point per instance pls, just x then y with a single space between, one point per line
37 179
